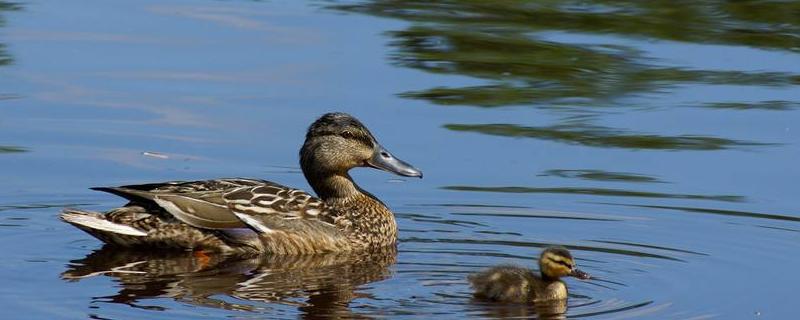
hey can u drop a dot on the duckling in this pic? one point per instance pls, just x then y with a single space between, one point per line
519 285
241 216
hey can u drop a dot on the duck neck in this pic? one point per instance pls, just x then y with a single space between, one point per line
547 278
333 185
367 221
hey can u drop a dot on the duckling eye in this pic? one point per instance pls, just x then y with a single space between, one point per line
570 266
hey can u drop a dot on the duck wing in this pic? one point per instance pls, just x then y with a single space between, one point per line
196 203
267 208
260 205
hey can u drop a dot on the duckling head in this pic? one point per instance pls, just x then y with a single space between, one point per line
556 262
338 142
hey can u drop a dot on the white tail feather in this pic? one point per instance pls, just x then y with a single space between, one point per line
98 223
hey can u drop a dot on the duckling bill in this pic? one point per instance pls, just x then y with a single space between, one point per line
242 216
520 285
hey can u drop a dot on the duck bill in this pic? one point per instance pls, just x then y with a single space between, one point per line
384 160
577 273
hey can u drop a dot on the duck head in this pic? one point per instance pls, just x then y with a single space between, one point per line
338 142
556 262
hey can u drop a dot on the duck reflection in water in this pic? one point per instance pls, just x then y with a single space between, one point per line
549 310
327 283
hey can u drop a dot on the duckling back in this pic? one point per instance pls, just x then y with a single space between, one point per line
504 284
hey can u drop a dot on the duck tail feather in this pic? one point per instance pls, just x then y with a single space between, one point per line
97 225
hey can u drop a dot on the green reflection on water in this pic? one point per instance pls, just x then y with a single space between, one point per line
597 136
600 175
502 42
597 192
724 212
769 24
526 53
5 58
10 149
777 105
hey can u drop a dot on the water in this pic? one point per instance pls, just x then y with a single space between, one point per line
657 141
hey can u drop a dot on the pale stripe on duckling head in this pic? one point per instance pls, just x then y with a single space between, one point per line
556 262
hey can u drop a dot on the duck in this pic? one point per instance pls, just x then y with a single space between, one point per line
515 284
245 216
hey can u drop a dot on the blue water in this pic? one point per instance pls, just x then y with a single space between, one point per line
662 154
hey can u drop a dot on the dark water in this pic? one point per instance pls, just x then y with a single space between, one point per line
657 140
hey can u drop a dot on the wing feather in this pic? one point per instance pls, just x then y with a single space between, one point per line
198 212
276 205
262 205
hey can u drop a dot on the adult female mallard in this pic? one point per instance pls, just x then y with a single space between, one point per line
246 216
520 285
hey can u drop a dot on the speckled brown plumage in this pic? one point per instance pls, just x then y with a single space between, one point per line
162 231
243 216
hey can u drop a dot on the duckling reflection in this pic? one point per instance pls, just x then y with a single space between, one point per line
520 285
326 283
544 310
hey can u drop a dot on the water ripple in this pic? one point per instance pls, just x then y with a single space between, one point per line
724 212
530 244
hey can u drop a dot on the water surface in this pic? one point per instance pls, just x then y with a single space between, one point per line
657 141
